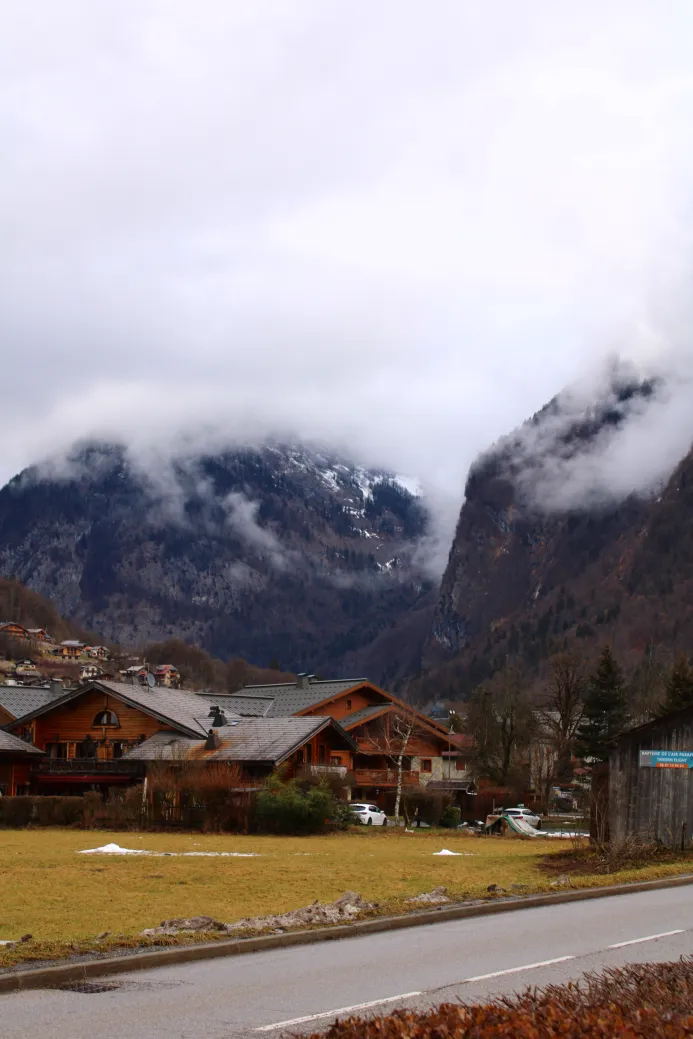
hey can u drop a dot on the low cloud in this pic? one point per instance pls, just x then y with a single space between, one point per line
242 519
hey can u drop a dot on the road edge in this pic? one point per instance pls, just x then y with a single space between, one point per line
50 977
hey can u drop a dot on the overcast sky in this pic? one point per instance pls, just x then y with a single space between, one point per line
399 227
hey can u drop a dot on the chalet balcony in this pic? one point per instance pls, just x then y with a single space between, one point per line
316 771
384 777
88 766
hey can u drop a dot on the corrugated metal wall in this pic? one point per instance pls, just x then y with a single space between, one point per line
653 802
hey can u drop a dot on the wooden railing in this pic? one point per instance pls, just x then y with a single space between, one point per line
384 777
94 766
303 771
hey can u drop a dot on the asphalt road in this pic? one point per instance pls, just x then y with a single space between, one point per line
263 994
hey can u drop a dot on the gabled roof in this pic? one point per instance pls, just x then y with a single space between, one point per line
290 698
246 706
181 710
366 714
259 740
10 744
21 700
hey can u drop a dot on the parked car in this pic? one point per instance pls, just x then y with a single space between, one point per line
369 815
524 813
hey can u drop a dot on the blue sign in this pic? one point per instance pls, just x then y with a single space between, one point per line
666 759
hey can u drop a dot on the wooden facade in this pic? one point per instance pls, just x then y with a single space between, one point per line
653 802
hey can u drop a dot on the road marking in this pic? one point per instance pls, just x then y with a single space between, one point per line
649 938
516 970
334 1013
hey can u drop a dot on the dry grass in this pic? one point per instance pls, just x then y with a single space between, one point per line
49 891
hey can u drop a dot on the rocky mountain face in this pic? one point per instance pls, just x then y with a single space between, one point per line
538 565
277 553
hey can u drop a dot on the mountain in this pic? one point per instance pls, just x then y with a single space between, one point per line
275 553
543 560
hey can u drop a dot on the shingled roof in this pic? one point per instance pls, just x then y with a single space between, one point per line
184 711
246 706
261 740
290 697
10 744
19 701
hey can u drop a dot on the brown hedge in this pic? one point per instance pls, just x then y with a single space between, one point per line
647 1001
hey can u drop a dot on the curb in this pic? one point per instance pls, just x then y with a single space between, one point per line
50 977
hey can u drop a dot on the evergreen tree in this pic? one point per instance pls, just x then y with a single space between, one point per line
679 687
604 714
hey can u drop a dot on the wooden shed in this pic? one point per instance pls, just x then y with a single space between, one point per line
651 781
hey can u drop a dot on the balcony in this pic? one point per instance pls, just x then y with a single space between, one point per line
88 766
384 777
309 771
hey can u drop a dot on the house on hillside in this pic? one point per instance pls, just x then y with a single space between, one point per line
89 736
40 635
88 671
168 675
70 649
16 760
381 726
14 630
98 652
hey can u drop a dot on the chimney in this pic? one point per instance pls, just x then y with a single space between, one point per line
212 742
303 680
218 717
57 687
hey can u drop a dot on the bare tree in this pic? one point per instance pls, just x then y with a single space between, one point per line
499 719
558 719
393 741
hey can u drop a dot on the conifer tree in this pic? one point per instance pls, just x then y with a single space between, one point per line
679 686
604 714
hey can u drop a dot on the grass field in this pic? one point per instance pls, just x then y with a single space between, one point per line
50 891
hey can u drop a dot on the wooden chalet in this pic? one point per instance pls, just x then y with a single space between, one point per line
16 760
379 723
14 630
104 733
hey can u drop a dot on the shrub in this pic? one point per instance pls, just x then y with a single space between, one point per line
16 811
451 817
57 811
642 1001
418 804
342 816
282 807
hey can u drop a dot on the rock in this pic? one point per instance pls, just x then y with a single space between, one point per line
343 909
436 897
562 881
493 889
26 937
100 937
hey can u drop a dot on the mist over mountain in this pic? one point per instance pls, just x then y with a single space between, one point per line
564 541
274 553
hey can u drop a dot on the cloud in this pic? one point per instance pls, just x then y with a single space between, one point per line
400 236
242 519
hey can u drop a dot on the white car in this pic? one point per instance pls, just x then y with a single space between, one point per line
369 815
526 814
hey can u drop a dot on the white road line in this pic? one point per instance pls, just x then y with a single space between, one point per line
335 1013
649 938
516 970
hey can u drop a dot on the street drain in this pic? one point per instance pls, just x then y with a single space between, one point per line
89 986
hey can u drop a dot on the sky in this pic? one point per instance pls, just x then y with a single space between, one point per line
395 228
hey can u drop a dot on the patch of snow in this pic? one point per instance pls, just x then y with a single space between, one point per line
115 849
446 852
411 484
330 478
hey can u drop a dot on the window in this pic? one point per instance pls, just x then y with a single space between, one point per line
335 760
321 753
56 751
348 705
309 753
299 757
106 717
460 765
426 765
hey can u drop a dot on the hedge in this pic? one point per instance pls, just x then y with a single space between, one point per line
640 1001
